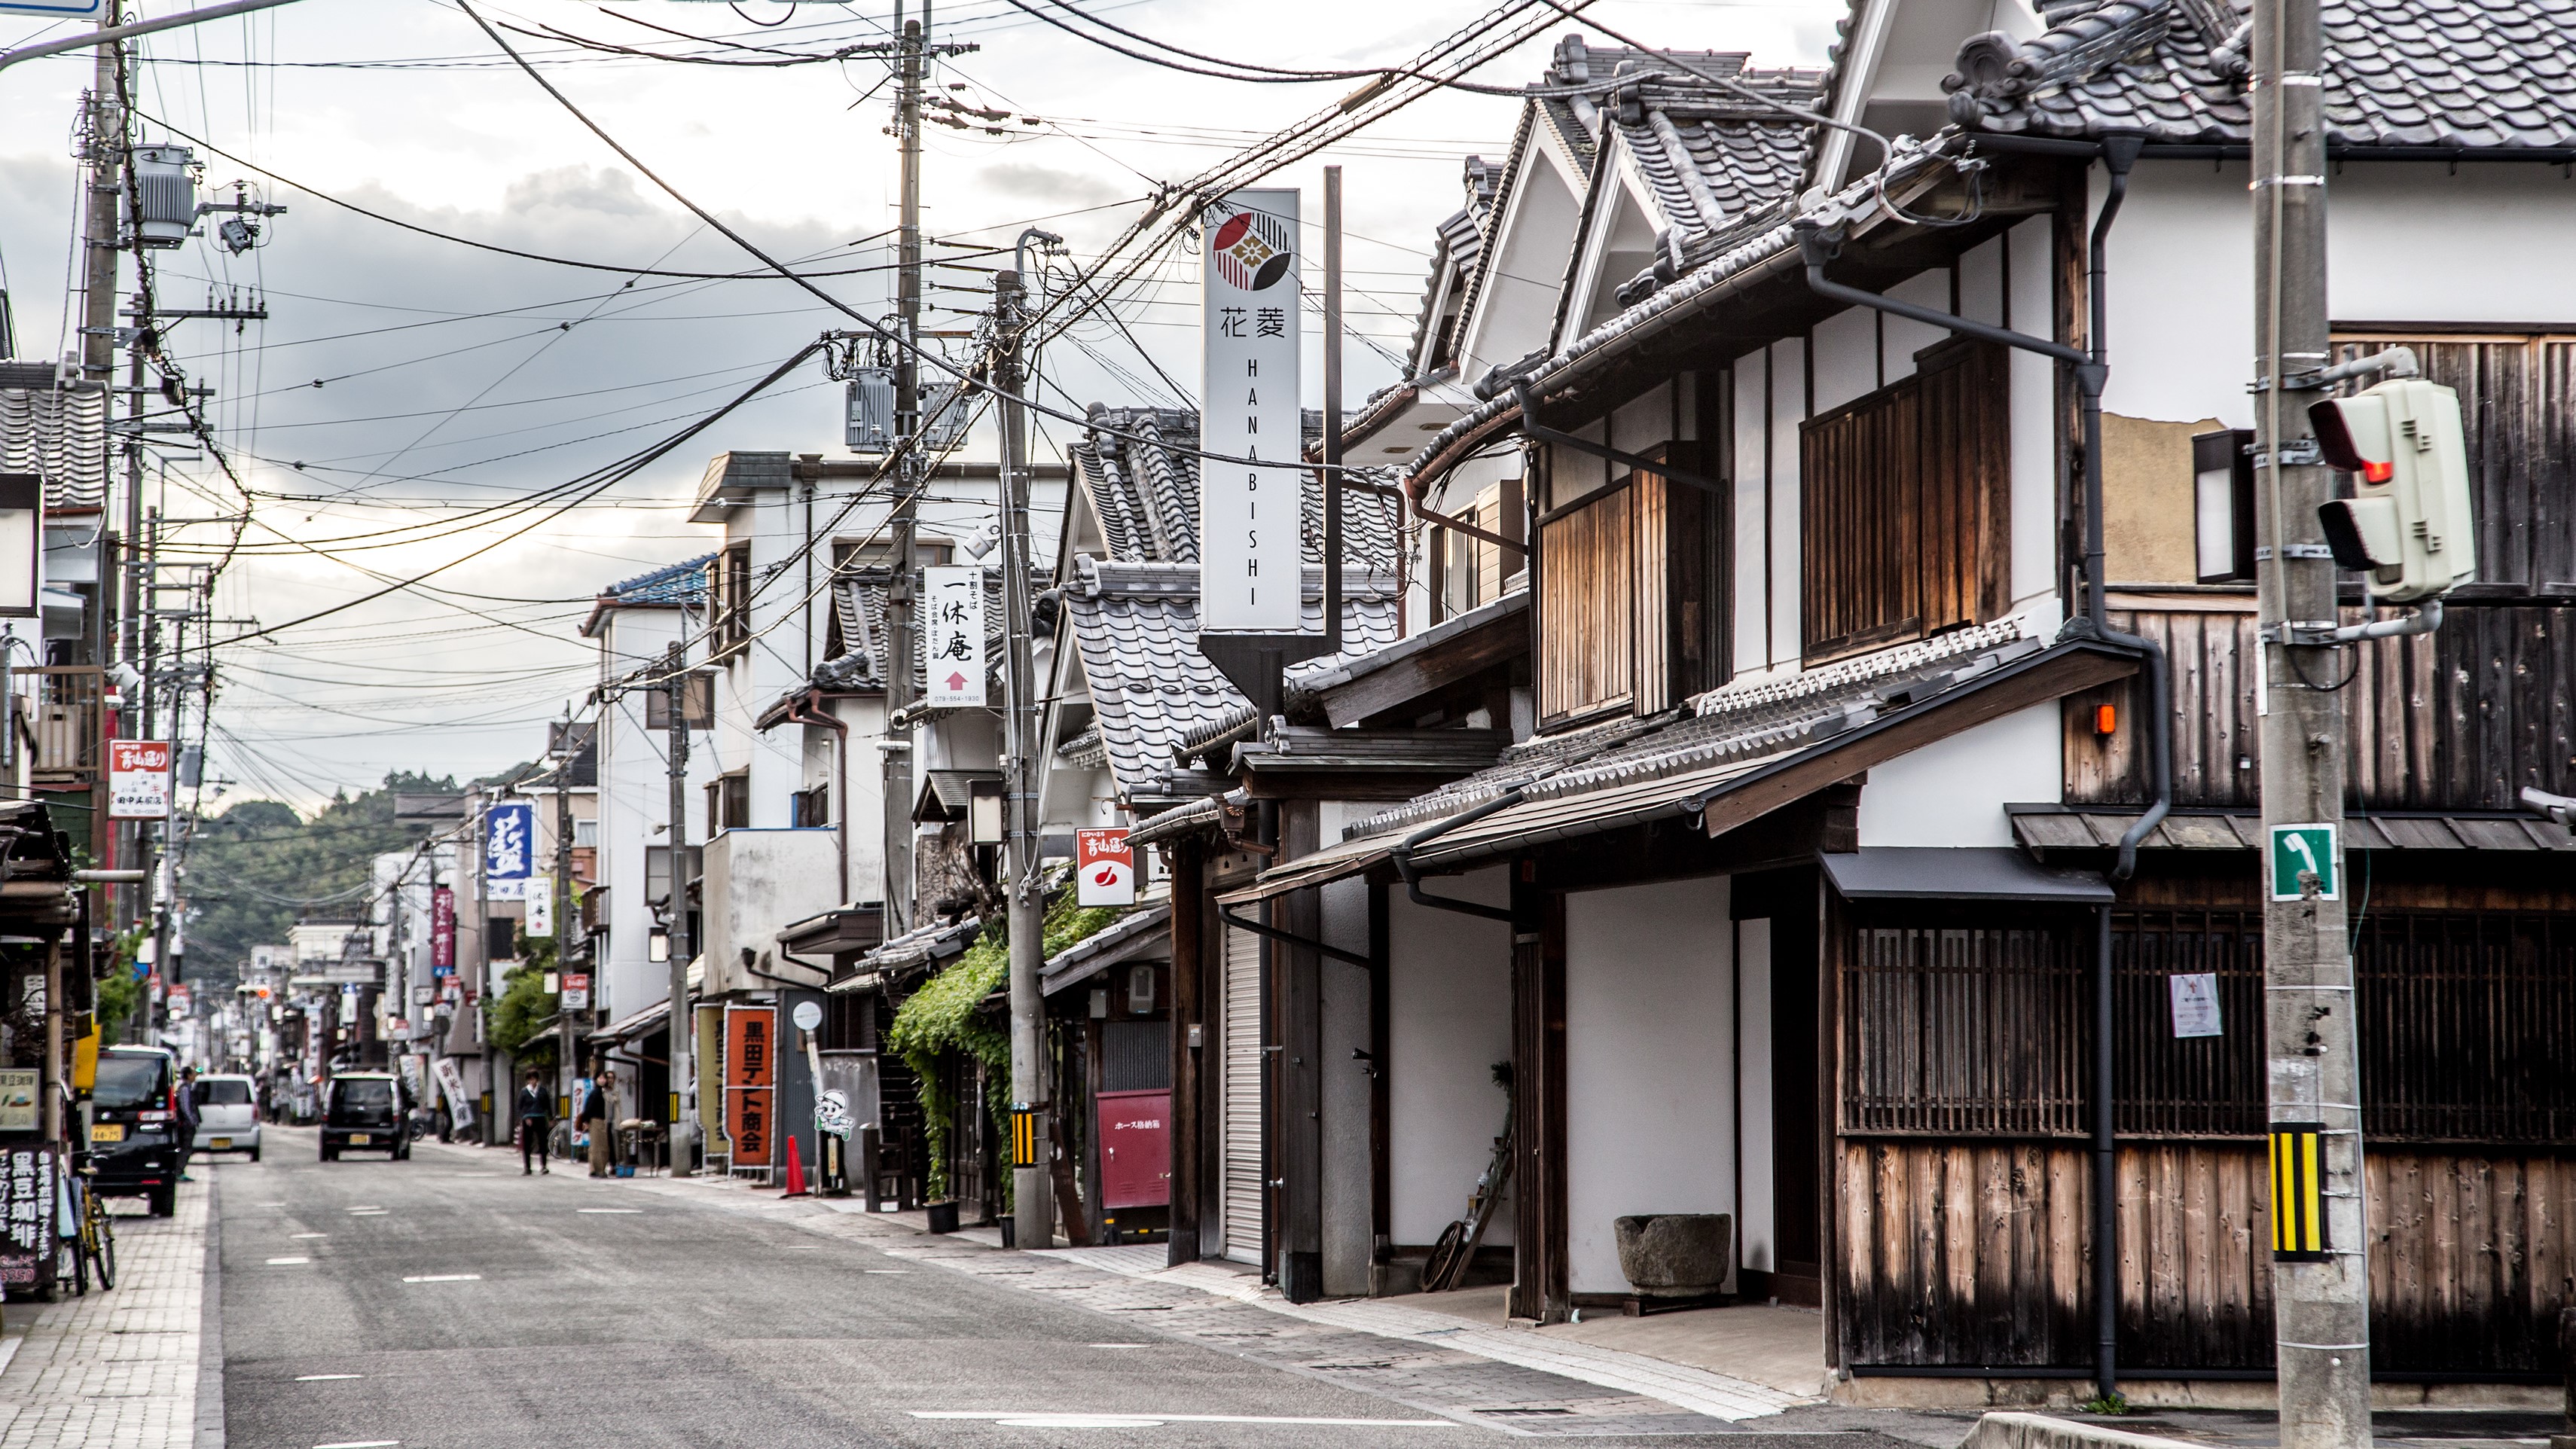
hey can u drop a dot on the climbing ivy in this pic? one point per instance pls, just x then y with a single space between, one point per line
943 1016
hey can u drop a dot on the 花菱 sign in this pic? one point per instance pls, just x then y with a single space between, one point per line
1251 571
1104 868
138 779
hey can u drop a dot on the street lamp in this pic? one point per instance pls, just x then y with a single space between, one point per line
658 946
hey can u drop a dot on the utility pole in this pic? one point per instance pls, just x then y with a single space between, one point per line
907 423
1332 410
2320 1287
684 1132
103 148
563 861
1033 1201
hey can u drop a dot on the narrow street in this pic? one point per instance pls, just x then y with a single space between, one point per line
450 1301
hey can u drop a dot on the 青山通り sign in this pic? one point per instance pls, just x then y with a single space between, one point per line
509 850
138 779
1104 868
2300 852
953 606
1250 563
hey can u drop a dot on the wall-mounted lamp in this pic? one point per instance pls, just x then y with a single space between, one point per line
658 946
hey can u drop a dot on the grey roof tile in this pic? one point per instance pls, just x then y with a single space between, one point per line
2476 74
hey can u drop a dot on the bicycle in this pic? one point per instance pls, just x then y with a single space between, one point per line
95 1246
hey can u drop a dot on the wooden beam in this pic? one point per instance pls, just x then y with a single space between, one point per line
1467 655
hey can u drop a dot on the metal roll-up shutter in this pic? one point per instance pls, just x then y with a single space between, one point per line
1241 1040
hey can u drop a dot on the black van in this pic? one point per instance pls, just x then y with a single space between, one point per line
137 1138
367 1111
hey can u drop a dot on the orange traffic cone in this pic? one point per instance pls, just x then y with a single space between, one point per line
795 1170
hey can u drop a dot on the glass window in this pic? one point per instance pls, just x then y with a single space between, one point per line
223 1092
135 1080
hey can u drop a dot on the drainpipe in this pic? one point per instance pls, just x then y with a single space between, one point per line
809 710
2092 372
1402 855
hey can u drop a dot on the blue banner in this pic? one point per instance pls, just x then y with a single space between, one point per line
509 842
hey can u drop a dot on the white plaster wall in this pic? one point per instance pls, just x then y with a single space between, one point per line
1349 1177
1752 475
634 806
1846 357
1953 793
1788 409
1449 1019
1649 1064
1902 337
1758 1228
1981 281
2030 308
2406 242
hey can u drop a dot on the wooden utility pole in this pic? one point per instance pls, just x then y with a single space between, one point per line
2320 1263
909 66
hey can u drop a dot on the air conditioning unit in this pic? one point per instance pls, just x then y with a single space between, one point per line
870 425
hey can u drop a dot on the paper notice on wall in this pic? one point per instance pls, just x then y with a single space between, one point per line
2195 1004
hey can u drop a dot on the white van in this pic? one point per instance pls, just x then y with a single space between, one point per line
228 1115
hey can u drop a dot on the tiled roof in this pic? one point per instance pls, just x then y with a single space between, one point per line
1736 721
1714 158
2475 74
1137 625
681 583
1147 494
56 432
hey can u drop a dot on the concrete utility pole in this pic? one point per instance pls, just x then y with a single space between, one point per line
2320 1281
684 1131
1332 410
1032 1187
909 66
103 147
563 862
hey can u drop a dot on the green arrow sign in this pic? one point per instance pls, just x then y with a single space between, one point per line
2299 852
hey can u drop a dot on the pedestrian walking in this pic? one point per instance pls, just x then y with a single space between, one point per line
536 1118
597 1119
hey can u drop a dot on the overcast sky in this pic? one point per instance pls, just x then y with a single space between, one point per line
452 379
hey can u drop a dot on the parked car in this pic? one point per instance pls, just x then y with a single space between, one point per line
135 1125
369 1111
227 1115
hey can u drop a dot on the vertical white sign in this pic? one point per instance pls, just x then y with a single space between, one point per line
540 898
1250 564
2195 1003
953 599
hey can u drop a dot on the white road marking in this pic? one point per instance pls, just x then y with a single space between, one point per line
608 1210
896 1271
1044 1419
287 1262
324 1378
362 1444
1118 1345
308 1235
446 1278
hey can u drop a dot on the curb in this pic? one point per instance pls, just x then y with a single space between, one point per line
210 1326
2045 1431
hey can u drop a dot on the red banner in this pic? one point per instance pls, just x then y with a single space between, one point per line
750 1079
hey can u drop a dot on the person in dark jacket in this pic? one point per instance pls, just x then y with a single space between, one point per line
597 1119
536 1117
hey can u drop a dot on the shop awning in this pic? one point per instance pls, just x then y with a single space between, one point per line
1147 932
637 1024
1987 873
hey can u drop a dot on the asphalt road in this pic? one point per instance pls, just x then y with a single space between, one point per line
449 1301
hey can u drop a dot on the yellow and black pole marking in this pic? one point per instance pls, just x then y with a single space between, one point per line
2298 1192
1024 1136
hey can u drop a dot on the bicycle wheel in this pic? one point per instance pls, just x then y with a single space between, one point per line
106 1253
1436 1268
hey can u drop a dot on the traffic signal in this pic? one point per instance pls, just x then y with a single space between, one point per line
2408 524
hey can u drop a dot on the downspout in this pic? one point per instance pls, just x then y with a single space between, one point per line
1402 855
2092 372
809 710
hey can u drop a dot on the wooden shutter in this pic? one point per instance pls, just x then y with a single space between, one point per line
1906 506
1239 1035
1587 655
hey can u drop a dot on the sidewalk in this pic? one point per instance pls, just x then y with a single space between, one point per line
121 1369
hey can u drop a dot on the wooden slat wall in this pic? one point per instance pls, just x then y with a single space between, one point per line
1650 552
1977 1255
1586 655
2461 719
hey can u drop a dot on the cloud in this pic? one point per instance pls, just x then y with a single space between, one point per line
1048 185
607 192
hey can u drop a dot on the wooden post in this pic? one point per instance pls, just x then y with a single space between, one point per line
50 1083
2566 1438
1540 1281
1300 1114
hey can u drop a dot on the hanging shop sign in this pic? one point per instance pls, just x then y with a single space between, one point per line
1250 570
442 931
750 1081
540 914
509 850
954 596
1104 868
138 779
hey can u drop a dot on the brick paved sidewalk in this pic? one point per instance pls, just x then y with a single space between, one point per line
118 1369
